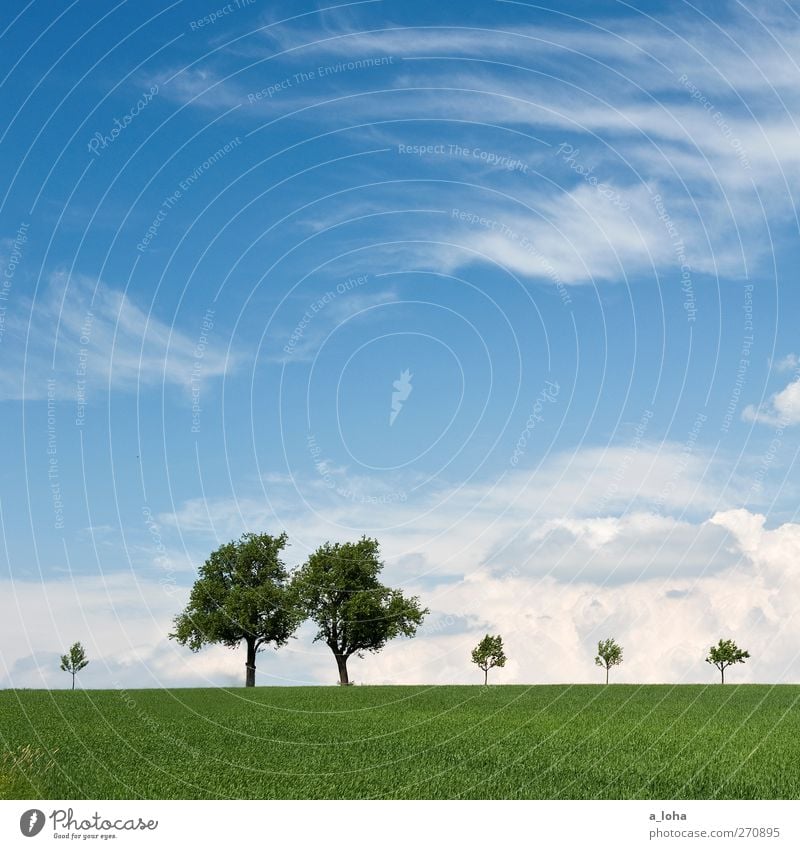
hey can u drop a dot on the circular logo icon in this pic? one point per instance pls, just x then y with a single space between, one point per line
31 822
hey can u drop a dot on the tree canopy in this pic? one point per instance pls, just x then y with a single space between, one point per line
241 595
724 654
488 654
609 653
338 588
74 661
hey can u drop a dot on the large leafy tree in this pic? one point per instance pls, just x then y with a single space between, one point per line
338 589
241 595
74 661
724 654
609 653
488 654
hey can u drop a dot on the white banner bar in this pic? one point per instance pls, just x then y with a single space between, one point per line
391 825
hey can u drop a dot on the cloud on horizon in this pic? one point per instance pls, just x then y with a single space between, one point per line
665 620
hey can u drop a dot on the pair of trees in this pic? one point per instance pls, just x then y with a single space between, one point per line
726 653
489 653
244 593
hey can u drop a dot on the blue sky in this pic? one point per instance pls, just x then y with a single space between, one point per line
226 231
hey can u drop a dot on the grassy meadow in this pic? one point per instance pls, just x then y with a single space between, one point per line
506 742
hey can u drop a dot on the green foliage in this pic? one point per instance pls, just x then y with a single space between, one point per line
242 593
488 654
500 742
339 590
74 661
609 653
724 654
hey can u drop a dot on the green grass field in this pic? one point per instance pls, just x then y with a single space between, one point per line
557 742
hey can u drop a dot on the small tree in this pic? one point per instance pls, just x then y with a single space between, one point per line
74 661
242 595
339 590
488 654
724 654
609 653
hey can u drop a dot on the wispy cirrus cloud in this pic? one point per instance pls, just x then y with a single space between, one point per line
82 330
752 48
324 315
698 115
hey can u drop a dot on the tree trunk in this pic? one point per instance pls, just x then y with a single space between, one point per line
485 677
73 680
341 663
250 665
722 673
606 675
